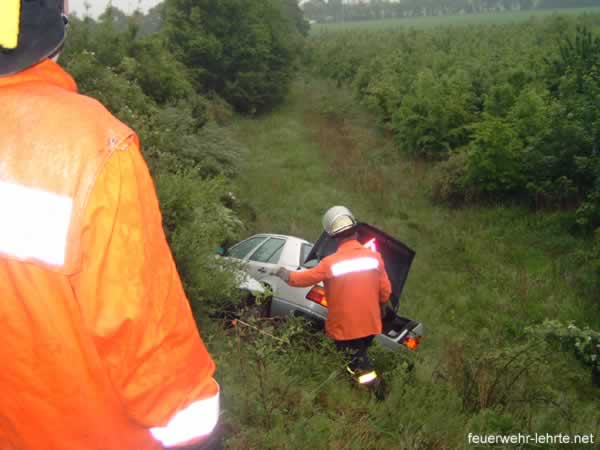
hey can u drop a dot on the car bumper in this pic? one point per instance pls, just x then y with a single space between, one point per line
317 315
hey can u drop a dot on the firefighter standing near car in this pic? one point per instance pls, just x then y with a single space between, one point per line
356 286
99 346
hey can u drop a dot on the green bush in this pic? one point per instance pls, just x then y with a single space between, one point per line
434 118
522 100
449 180
243 51
196 223
496 157
156 70
191 158
585 343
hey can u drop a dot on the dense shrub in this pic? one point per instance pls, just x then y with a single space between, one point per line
191 157
432 119
156 70
243 51
521 101
496 158
449 180
585 343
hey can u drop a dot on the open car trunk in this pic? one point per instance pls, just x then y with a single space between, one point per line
397 258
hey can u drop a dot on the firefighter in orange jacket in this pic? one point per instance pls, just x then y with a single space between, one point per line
99 346
356 285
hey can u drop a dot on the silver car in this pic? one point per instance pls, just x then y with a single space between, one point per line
262 254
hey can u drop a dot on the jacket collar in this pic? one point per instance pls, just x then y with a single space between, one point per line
46 72
353 243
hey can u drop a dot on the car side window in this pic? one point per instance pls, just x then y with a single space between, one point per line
304 251
269 252
243 248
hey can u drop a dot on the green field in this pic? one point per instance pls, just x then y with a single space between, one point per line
462 20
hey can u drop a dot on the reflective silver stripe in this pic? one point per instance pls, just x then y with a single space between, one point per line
195 421
367 377
34 224
354 265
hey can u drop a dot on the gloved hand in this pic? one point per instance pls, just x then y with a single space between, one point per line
282 273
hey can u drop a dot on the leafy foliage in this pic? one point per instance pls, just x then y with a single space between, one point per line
191 157
523 106
431 118
585 343
243 51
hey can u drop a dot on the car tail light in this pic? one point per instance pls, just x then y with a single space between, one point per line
317 295
412 342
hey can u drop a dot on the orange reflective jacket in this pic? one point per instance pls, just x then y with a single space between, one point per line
356 283
99 346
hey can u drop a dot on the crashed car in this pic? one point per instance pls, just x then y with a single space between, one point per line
262 254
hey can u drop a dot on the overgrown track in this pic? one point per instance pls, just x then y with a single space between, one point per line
480 277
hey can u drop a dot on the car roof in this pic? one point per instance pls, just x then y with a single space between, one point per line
284 236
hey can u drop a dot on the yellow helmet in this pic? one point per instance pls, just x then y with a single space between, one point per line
30 31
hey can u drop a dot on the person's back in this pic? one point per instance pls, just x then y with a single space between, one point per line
100 350
354 291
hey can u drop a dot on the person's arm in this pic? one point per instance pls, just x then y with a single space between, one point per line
309 277
134 306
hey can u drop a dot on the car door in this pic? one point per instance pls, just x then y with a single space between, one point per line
265 259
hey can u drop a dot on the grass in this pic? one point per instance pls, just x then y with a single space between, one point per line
496 18
481 275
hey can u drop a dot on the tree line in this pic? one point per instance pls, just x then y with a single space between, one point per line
345 10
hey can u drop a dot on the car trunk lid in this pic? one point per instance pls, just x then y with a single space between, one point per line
397 256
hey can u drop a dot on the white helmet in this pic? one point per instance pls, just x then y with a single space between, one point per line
338 219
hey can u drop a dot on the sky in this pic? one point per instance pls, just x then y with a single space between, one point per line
98 6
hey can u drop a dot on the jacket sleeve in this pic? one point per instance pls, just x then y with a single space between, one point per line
385 287
311 276
134 306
